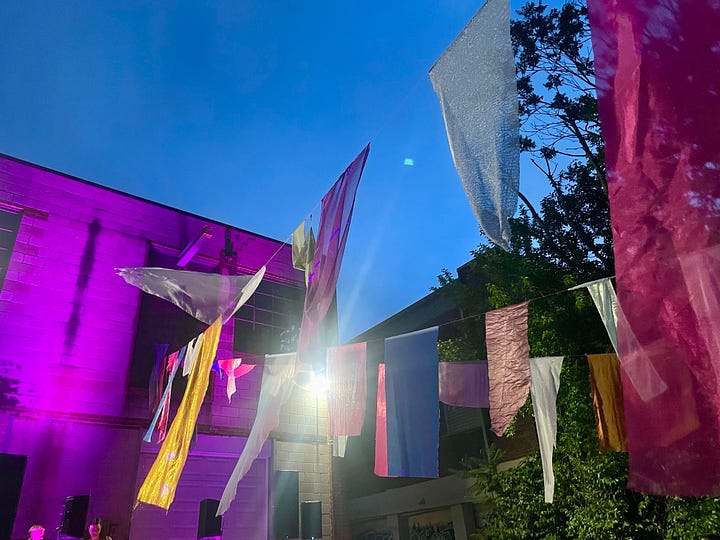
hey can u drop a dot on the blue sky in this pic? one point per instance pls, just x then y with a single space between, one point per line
246 112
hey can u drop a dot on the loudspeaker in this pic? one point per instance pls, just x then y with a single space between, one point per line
74 516
12 472
285 504
311 519
209 524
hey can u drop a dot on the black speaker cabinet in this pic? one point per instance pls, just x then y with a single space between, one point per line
209 525
12 472
74 516
285 505
311 519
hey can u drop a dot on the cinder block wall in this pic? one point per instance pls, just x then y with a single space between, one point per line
67 327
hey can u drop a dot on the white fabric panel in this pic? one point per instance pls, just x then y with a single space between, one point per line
475 83
277 385
603 295
544 385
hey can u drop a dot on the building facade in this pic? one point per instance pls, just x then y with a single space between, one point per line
77 346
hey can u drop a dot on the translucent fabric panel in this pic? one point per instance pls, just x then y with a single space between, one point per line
464 384
475 83
657 68
204 296
347 388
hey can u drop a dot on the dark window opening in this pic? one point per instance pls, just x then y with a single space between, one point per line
9 225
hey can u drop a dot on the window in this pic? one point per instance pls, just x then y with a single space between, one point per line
9 225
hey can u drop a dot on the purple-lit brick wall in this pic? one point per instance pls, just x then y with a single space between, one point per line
67 332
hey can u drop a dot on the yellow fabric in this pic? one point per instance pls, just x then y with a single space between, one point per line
607 396
161 482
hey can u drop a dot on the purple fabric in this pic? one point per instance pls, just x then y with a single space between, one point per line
155 386
337 208
657 67
464 384
413 414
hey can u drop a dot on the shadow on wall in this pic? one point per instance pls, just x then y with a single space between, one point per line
86 266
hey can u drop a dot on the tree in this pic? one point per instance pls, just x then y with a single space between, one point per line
564 242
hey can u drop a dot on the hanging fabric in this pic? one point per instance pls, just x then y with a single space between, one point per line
607 397
160 484
204 296
603 296
381 454
165 400
544 385
193 348
656 72
464 384
335 217
234 369
347 388
303 249
172 364
474 80
413 415
508 363
277 384
155 386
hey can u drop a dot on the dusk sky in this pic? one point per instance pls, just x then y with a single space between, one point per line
247 112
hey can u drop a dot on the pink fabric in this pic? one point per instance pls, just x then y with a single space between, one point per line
233 369
172 360
337 208
381 456
508 363
347 381
657 68
464 384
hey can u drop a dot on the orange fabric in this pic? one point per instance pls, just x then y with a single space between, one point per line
607 396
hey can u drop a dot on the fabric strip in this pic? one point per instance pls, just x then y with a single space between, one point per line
474 80
464 384
413 414
656 71
607 396
347 388
335 217
544 385
381 456
508 363
161 482
277 384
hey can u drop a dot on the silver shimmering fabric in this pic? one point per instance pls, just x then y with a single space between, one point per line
475 83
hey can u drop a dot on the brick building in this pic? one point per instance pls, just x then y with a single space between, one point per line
77 346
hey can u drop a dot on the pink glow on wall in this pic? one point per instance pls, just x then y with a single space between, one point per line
67 329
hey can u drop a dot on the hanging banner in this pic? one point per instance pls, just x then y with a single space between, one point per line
464 384
475 83
657 71
335 217
160 484
347 389
381 455
607 397
544 386
508 363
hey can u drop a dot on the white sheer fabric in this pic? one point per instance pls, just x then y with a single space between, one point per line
277 385
475 83
544 385
204 296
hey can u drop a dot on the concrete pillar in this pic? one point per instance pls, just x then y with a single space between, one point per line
463 520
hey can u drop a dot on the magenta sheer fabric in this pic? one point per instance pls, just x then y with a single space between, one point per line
657 67
337 208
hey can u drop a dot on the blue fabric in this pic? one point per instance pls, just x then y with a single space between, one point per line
413 410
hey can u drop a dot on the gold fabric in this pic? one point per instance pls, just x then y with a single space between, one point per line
607 396
161 482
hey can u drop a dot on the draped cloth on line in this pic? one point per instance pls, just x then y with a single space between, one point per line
160 484
335 217
544 385
607 397
657 71
464 384
413 415
475 83
206 297
234 369
277 384
303 249
157 375
508 363
381 454
165 400
603 295
347 388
